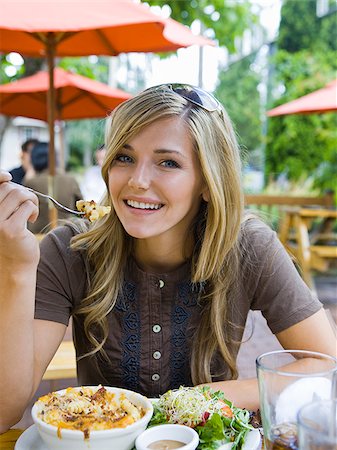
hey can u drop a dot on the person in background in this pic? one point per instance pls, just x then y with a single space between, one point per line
26 168
160 288
65 190
93 186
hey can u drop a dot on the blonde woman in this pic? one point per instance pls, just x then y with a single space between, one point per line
159 289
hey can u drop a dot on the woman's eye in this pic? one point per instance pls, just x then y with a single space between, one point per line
123 158
170 163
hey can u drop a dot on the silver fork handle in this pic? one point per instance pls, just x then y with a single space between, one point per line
52 199
56 203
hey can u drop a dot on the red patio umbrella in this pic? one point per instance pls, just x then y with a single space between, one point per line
76 27
320 101
76 97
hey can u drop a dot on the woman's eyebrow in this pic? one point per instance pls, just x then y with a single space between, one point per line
169 151
158 151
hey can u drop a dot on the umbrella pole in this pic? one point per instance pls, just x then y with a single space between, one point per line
51 47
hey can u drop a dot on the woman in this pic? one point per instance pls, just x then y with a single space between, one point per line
159 289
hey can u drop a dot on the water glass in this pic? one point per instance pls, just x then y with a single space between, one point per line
289 379
317 425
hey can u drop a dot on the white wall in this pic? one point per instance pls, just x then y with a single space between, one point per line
18 132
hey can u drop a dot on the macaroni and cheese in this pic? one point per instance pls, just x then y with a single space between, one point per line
88 409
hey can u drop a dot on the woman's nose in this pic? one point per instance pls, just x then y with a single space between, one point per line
140 179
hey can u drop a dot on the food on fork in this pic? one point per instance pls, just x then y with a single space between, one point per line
88 409
92 210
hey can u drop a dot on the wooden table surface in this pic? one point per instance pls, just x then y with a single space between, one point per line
8 439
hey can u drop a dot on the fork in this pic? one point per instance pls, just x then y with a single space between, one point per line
55 202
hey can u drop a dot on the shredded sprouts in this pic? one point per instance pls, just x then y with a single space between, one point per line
187 406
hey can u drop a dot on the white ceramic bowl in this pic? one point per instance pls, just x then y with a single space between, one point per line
171 432
116 438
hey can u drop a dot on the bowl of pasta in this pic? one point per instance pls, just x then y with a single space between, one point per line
91 418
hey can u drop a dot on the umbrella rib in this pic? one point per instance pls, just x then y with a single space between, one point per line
13 96
70 101
84 94
57 37
106 42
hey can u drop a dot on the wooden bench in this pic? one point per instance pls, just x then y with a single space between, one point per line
313 247
275 205
314 251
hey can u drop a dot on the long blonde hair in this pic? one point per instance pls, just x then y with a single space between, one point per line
216 228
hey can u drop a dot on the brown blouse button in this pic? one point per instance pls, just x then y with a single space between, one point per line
156 355
155 377
161 284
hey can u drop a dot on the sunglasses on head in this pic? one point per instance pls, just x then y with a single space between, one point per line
194 95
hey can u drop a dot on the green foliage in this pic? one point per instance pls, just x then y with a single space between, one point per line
98 70
84 136
328 31
303 145
299 25
225 20
237 91
4 64
29 67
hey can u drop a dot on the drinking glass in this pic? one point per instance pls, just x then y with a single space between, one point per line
317 425
289 379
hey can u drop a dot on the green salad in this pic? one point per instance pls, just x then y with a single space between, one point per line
216 420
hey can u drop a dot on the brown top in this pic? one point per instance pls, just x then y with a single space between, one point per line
152 324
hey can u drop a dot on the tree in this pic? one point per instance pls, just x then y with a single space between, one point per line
237 91
85 136
223 20
303 145
298 27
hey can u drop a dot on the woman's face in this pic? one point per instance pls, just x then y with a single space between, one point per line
155 182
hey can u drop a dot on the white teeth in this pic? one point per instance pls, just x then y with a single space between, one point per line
141 205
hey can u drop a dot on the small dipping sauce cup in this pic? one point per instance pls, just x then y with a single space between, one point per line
167 437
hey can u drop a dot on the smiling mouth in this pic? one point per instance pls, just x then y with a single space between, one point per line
141 205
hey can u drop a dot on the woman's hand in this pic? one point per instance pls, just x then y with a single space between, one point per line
18 246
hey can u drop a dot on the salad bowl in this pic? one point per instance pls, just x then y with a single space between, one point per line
219 424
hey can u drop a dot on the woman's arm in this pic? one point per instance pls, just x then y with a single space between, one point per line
243 393
26 345
314 333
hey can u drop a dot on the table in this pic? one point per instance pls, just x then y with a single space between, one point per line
8 439
314 249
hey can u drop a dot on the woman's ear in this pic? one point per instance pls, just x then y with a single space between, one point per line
205 194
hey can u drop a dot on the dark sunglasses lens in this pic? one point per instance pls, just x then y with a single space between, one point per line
197 96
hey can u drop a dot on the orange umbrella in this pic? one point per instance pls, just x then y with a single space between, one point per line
320 101
77 27
76 97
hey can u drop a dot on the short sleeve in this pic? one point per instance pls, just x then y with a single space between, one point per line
60 277
275 286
